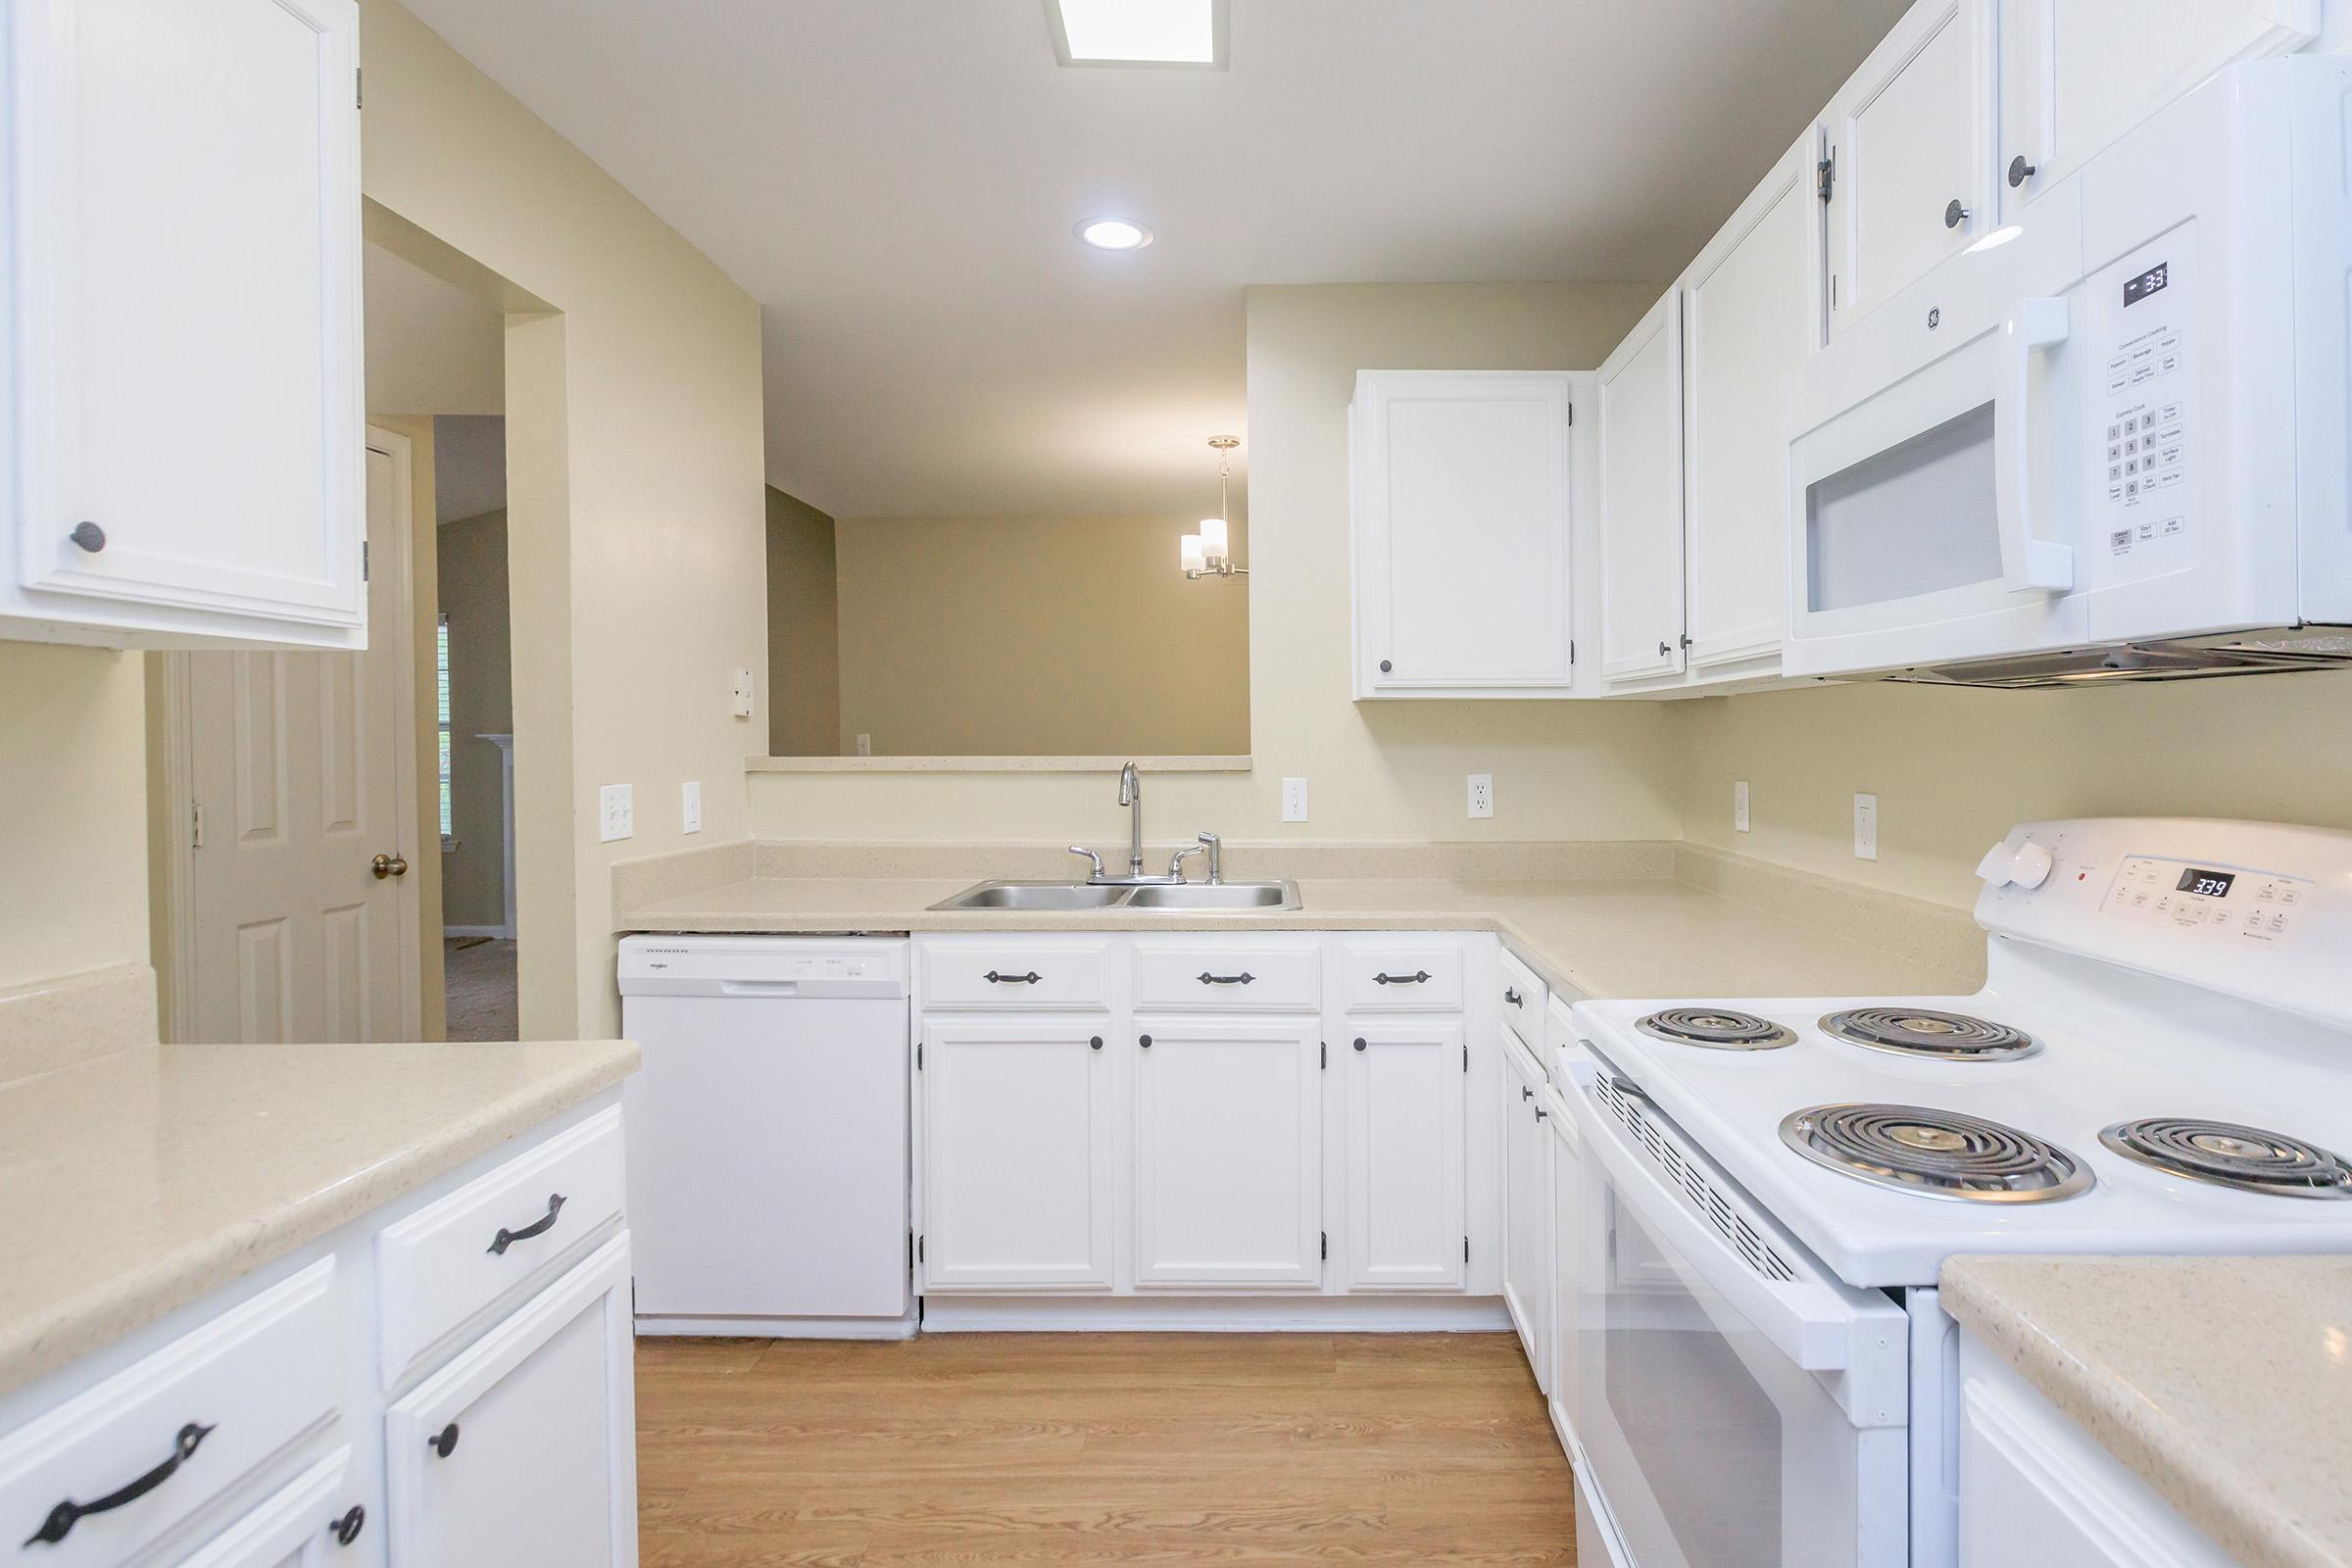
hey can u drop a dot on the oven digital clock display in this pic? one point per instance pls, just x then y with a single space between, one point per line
2152 282
2206 884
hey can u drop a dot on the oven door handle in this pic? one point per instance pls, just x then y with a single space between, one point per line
2027 564
1808 1321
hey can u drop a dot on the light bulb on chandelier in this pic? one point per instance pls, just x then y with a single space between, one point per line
1208 553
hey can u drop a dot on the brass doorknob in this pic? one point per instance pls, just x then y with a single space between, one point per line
384 865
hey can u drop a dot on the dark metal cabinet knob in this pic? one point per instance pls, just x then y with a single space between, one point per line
2020 170
1096 1044
1144 1041
345 1529
1359 1042
444 1442
1665 649
1541 1113
1386 666
1525 1093
1512 996
1956 214
89 536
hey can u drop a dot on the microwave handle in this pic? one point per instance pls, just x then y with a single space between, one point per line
2027 564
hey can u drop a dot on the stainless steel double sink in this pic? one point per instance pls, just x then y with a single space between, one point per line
1170 896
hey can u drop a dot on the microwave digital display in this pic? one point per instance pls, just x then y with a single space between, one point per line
2210 884
2152 282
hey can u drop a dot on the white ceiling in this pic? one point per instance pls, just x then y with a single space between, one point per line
896 181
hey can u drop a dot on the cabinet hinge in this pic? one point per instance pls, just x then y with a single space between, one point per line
919 1055
918 1248
1572 416
359 88
363 560
1325 1249
910 1248
1323 1058
1466 1248
1572 653
1826 173
195 824
1465 1058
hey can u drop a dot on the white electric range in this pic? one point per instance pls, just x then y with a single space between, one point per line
2160 1062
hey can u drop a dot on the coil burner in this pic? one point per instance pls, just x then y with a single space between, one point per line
2230 1154
1935 1154
1715 1028
1925 1032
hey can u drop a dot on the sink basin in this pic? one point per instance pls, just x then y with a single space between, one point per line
1216 895
1171 896
1033 895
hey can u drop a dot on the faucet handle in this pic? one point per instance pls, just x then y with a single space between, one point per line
1096 875
1176 861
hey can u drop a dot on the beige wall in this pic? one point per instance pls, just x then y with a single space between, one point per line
432 347
804 637
1039 636
74 839
481 702
1953 770
1379 771
636 524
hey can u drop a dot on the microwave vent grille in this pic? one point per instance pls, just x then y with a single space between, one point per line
1718 1207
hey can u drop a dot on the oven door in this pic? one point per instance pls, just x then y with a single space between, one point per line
1739 1408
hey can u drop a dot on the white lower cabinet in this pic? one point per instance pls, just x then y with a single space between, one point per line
1406 1225
1527 1239
1566 1237
523 1447
1228 1153
1018 1150
305 1526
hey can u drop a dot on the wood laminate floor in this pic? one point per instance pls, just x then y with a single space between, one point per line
1050 1449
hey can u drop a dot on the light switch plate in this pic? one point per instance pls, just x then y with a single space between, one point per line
866 745
741 700
1739 807
615 812
1866 827
690 805
1293 800
1482 794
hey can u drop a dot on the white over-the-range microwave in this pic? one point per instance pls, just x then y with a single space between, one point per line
2113 441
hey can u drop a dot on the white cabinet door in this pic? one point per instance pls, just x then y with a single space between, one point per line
1017 1154
306 1524
2078 73
1567 1236
182 414
1641 498
1229 1152
523 1447
1751 311
1527 1208
1403 1088
1911 141
1461 500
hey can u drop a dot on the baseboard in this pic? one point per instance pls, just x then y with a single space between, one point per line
501 932
1214 1314
777 1328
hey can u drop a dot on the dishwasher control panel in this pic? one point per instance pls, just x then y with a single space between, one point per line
758 965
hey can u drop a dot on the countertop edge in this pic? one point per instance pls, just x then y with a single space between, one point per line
2242 1515
75 1326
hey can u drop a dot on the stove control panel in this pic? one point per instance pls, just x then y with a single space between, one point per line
2222 901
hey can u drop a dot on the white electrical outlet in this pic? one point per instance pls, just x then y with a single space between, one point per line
1739 807
1293 800
615 812
865 746
690 805
741 700
1866 827
1482 794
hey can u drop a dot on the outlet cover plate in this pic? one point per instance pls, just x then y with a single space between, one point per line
690 805
1866 827
615 812
1739 805
1482 796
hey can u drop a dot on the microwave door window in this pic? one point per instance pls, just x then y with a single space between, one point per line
1918 518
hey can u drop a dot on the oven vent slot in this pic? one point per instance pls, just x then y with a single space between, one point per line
1712 1203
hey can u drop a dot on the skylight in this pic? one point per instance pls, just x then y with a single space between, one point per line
1137 32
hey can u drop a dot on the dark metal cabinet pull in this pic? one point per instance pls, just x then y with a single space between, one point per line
1513 998
538 1227
1418 977
1242 979
444 1442
996 979
69 1513
1359 1042
1144 1041
347 1528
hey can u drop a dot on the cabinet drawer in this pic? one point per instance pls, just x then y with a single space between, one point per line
223 1401
1173 975
495 1238
1423 977
1524 998
1028 976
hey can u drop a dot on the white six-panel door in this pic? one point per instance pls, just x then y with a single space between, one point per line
1228 1153
1641 498
1406 1229
299 776
187 335
1018 1150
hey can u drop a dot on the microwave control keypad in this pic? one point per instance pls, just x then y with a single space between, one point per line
2142 424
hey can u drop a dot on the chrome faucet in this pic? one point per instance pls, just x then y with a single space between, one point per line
1131 796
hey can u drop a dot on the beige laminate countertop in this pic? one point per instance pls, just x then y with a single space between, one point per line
134 1182
1636 936
2225 1383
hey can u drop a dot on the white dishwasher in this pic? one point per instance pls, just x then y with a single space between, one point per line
767 1164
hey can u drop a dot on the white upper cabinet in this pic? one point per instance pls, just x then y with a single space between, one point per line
1911 139
2078 73
1751 311
180 381
1463 500
1642 499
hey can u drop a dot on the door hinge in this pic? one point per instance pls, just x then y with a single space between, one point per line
1826 175
359 88
195 824
1325 1249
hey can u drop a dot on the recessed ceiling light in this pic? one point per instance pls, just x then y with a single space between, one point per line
1137 32
1114 234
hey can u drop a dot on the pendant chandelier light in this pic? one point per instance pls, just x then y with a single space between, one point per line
1208 553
